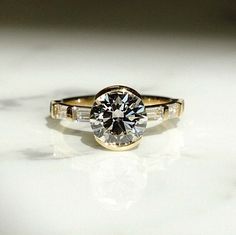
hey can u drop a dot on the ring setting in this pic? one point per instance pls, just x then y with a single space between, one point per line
118 115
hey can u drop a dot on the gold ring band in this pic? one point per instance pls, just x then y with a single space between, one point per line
157 108
78 108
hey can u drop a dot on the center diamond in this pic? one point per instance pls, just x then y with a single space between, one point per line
118 117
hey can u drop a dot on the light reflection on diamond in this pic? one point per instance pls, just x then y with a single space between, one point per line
118 117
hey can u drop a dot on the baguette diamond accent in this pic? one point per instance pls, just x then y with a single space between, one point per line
75 113
82 113
173 110
156 113
60 111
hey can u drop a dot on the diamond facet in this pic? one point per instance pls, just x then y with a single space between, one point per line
118 117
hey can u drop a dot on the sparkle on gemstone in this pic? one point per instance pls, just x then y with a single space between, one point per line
118 117
173 110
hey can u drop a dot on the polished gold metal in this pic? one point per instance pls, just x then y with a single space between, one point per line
158 109
84 104
114 147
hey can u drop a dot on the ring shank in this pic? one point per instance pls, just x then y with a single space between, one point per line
158 108
87 101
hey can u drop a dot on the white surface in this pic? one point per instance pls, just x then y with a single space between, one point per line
181 180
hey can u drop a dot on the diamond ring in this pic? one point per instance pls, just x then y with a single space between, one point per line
118 114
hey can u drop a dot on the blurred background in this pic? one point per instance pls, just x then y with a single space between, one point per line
188 17
115 41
